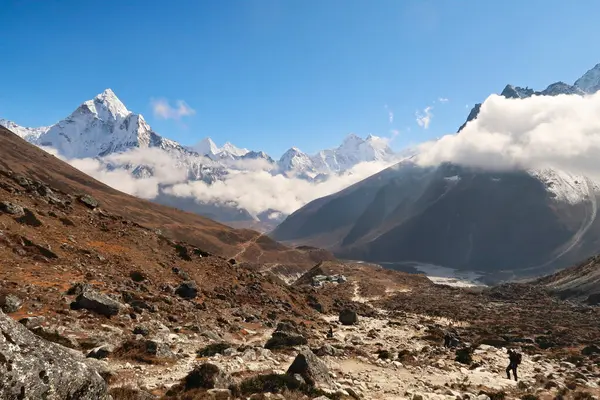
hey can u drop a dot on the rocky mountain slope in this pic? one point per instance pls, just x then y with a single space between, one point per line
103 293
18 156
104 129
579 282
503 224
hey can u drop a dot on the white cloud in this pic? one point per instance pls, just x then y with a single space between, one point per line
541 131
390 114
162 109
258 191
443 100
424 118
249 184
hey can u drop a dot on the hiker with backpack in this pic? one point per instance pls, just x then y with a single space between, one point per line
514 361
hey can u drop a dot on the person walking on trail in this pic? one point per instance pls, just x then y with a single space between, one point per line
514 360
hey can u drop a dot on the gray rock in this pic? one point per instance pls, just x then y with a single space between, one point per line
187 290
97 302
159 349
286 335
78 288
10 303
101 351
32 322
311 368
348 317
55 335
11 208
141 330
207 376
89 201
32 368
326 350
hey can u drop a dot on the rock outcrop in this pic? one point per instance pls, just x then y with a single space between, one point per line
32 368
311 369
96 302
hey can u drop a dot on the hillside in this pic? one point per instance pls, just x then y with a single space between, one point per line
505 224
579 282
246 245
106 299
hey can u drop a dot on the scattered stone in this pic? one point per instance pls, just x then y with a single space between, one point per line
56 336
311 368
591 349
89 201
213 349
32 322
10 208
464 355
285 335
327 350
78 288
96 302
101 352
159 349
348 317
141 330
29 218
9 303
187 290
181 273
206 376
138 276
45 368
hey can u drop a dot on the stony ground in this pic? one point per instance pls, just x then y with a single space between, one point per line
168 305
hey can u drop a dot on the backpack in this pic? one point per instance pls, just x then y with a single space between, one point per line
518 358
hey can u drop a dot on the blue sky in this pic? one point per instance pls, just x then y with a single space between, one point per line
268 74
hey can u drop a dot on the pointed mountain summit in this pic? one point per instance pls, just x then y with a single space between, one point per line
99 127
206 147
590 81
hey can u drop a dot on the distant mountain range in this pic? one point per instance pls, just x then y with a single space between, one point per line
504 224
103 127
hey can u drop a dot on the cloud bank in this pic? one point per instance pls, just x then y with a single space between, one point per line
249 184
537 132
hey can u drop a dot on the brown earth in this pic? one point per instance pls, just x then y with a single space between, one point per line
139 253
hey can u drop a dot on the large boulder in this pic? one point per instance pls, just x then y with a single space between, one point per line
311 368
96 302
187 290
89 201
206 376
286 335
348 317
32 368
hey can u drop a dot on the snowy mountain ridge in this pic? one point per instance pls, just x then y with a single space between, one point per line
104 126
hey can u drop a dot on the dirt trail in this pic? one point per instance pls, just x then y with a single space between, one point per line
247 244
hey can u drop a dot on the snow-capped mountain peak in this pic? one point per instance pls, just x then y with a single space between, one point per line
233 150
590 81
205 147
107 105
294 160
29 134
